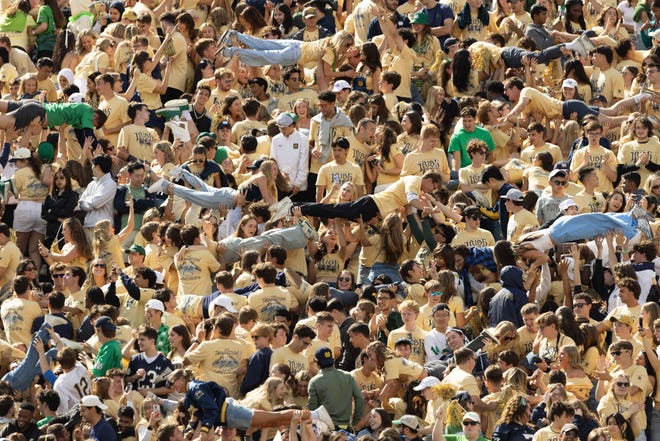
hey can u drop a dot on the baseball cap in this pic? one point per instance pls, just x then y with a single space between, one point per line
155 304
77 98
309 12
409 421
21 153
655 34
206 134
402 341
260 81
471 416
426 383
514 195
46 151
92 401
569 82
568 427
104 322
626 319
284 119
129 14
561 165
135 248
255 165
224 125
566 203
324 357
556 172
340 85
420 17
224 302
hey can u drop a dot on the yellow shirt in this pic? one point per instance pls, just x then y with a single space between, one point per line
138 140
529 153
179 62
546 434
396 196
133 310
314 127
28 187
537 178
10 256
416 336
245 127
358 152
517 223
311 51
398 368
117 111
332 172
525 341
390 164
418 163
269 299
284 355
541 102
49 87
408 143
145 87
630 152
476 238
463 380
219 361
76 300
17 316
589 203
608 83
288 100
402 62
189 305
367 383
195 272
597 155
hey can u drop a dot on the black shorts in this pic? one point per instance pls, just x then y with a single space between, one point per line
25 112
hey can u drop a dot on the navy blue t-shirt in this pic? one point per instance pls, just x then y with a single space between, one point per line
103 431
156 371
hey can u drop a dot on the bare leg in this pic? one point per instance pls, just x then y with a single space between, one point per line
22 242
612 120
33 248
618 107
4 105
262 418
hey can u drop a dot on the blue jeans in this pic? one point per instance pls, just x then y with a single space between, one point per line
202 194
512 56
289 238
22 376
262 52
383 268
589 225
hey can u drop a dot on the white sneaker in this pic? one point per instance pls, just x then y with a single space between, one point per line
175 171
324 417
157 187
179 130
54 320
577 47
308 230
280 209
586 43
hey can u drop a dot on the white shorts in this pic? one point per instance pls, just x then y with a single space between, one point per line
27 217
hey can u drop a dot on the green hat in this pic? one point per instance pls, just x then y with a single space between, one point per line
420 17
203 134
46 151
135 248
220 154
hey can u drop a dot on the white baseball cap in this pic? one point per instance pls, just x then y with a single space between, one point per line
563 205
426 383
340 85
569 82
92 401
223 301
155 304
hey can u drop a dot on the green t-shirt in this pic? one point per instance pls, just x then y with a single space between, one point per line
42 422
460 140
109 357
77 115
462 438
46 40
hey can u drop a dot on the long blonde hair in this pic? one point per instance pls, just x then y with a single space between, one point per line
264 392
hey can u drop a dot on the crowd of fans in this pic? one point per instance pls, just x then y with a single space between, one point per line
329 220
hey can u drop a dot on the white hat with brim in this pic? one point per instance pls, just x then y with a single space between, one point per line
92 401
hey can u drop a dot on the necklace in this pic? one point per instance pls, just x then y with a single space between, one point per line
196 115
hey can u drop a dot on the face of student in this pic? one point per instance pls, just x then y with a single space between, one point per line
375 420
454 340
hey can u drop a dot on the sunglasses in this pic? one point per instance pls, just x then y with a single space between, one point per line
344 279
507 338
199 161
560 183
579 305
436 293
622 384
99 265
616 353
470 423
58 276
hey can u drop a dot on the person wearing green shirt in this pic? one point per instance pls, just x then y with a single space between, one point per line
471 429
461 138
109 356
48 401
153 313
